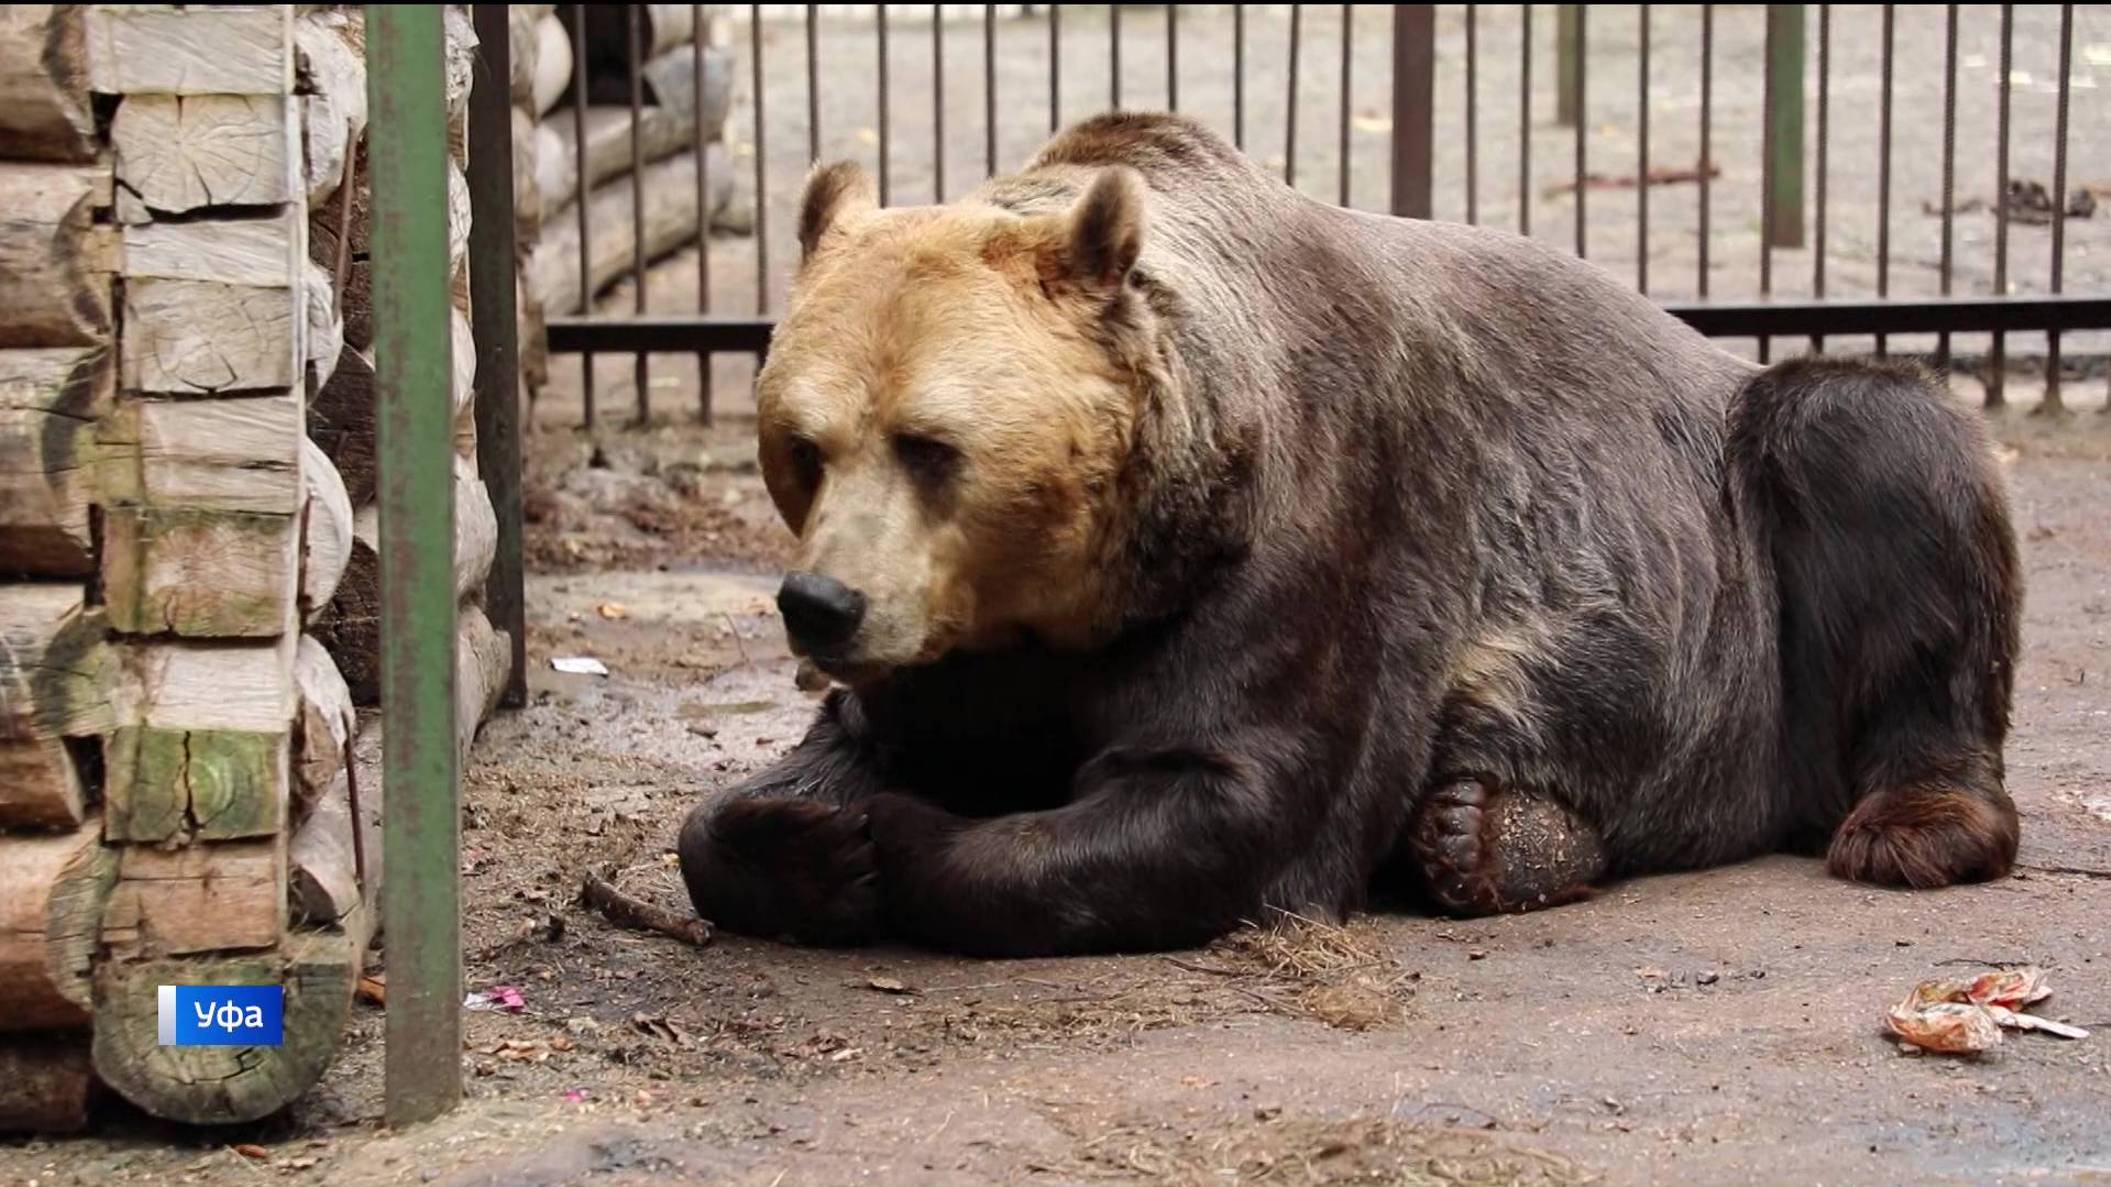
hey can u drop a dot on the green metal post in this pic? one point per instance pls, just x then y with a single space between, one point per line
1784 124
1568 38
421 886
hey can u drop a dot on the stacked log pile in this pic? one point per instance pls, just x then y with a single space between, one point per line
685 92
186 477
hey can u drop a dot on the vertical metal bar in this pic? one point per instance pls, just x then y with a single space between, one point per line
703 207
1055 67
580 204
641 371
879 13
1949 164
1642 149
1568 40
421 904
492 319
2055 403
1238 76
1524 120
1348 16
762 205
1473 129
813 84
1783 225
1817 278
1172 57
1297 12
1883 168
1581 50
938 103
1114 47
1707 164
989 90
1997 358
1414 108
1767 133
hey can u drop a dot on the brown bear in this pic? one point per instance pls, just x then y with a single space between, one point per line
1186 549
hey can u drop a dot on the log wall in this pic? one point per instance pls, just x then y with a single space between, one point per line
186 456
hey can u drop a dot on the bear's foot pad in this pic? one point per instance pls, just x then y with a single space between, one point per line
1925 837
1486 852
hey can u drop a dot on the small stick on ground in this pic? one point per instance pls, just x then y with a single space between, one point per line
623 910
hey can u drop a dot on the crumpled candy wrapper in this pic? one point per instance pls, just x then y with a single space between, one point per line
1963 1016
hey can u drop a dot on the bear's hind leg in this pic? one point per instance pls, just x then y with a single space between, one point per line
1487 851
1884 514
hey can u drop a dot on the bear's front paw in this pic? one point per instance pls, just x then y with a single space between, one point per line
783 867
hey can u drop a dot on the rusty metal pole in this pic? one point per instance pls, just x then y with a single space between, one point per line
492 266
421 898
1414 107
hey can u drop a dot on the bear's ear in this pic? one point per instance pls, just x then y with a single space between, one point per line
833 193
1105 229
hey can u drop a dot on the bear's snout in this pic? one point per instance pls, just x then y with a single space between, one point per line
821 614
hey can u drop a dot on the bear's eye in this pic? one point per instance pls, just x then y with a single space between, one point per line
927 458
806 461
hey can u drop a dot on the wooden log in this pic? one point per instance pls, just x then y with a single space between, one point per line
44 112
351 628
206 338
553 63
55 680
670 221
323 731
200 573
335 864
458 220
483 656
663 129
179 153
326 331
228 455
52 891
203 50
184 784
255 252
607 47
527 196
223 897
224 1085
49 402
334 108
341 423
460 59
45 1083
326 530
235 686
55 259
355 302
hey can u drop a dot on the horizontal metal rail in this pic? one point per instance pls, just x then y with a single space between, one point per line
678 333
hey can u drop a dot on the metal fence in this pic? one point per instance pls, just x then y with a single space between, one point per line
1800 117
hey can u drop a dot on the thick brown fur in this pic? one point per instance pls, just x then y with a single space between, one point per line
1206 550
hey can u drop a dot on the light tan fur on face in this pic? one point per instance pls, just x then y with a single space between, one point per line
958 324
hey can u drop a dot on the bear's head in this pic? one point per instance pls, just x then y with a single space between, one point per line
947 410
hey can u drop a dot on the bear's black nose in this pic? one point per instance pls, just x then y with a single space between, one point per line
820 613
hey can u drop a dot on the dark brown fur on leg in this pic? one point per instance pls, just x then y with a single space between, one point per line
1924 837
1487 852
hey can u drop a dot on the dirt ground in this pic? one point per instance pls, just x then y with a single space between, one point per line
1715 1027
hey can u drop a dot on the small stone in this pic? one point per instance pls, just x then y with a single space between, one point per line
1477 954
1707 978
